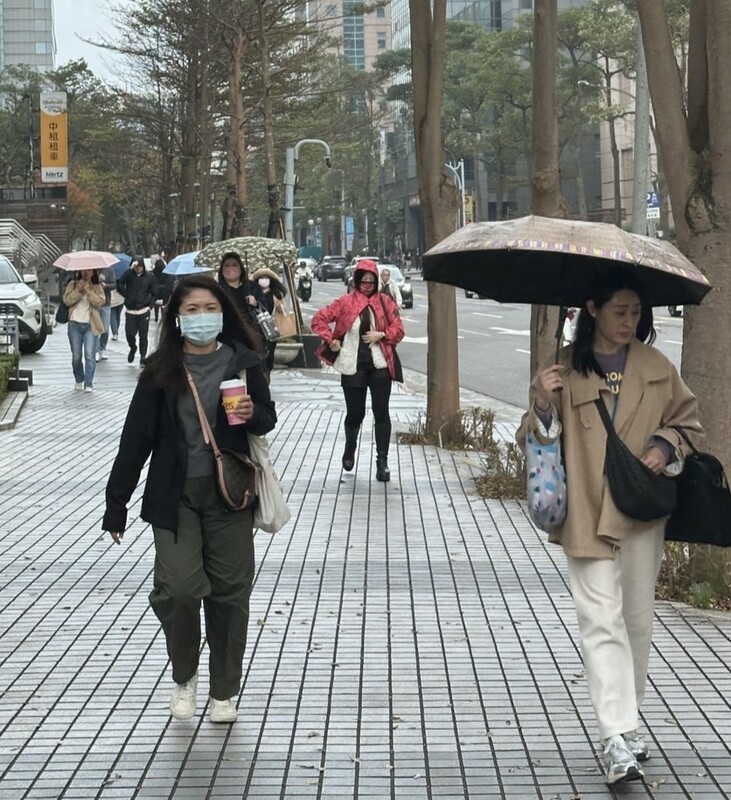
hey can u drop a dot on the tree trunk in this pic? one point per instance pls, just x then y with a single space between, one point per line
189 153
438 199
237 209
545 186
696 153
275 229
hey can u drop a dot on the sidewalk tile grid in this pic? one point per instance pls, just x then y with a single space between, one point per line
408 640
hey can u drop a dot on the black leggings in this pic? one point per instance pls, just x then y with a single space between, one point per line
379 382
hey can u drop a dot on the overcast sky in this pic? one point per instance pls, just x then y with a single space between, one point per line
87 18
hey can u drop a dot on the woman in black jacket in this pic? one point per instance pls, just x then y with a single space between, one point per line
203 550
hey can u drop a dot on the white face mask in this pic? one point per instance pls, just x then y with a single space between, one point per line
201 329
264 282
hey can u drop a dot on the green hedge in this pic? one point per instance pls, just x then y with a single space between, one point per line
7 367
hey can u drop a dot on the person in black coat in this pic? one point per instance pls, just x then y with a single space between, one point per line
139 289
164 284
203 550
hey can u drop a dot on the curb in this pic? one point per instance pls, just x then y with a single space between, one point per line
10 409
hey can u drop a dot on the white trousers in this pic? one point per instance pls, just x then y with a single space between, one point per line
615 603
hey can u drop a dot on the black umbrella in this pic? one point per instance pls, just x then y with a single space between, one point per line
553 261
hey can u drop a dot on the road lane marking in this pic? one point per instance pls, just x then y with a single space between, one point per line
511 331
416 339
671 341
518 350
476 333
481 314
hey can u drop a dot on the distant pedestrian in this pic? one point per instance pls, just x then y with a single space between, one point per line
367 328
203 550
139 289
234 279
613 561
108 282
164 284
116 304
84 296
389 288
270 294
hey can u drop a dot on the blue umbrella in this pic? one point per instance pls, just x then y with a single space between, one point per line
122 265
184 264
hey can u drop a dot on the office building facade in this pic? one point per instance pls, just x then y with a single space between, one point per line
26 34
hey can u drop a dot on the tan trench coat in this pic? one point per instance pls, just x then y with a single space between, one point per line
652 398
96 300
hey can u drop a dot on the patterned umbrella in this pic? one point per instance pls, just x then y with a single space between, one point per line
552 261
255 252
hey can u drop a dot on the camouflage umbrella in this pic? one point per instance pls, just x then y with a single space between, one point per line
255 251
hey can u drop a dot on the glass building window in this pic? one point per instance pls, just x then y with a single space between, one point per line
381 38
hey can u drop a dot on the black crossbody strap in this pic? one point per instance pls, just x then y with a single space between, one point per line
604 414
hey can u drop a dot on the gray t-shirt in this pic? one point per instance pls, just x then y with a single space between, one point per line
208 371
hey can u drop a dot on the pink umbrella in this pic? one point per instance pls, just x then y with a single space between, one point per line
85 259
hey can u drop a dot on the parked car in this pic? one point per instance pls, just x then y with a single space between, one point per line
331 267
398 277
18 299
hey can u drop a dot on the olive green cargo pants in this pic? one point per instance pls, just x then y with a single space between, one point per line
211 559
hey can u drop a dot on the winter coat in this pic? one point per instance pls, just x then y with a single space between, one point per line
164 282
139 291
344 311
153 427
652 398
95 296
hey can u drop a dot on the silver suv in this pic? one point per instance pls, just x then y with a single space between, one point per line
18 299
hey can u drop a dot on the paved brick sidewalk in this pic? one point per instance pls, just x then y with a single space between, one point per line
408 640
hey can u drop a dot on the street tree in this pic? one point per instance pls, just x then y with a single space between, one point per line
545 183
694 141
438 200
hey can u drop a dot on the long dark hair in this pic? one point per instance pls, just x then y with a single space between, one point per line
165 365
94 276
603 288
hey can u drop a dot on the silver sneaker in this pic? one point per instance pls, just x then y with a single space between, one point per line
222 710
637 745
619 763
182 700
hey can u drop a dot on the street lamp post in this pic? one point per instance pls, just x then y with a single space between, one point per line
458 172
289 168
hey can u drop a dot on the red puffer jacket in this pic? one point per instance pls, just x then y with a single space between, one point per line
346 309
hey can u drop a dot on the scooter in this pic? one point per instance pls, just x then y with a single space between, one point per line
304 287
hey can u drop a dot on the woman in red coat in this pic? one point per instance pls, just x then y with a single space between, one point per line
361 347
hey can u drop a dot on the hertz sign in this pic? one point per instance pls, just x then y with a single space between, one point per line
54 138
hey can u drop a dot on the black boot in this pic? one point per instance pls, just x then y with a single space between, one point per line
383 439
351 442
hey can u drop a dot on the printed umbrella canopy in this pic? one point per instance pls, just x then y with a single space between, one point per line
185 264
255 252
553 261
85 259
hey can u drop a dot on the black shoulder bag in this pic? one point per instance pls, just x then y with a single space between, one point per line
703 513
637 491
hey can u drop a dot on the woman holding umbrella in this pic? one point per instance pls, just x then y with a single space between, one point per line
203 550
84 296
613 560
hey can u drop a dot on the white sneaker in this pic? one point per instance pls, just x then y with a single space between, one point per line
222 710
104 355
182 700
79 387
88 389
619 762
115 338
637 745
97 356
